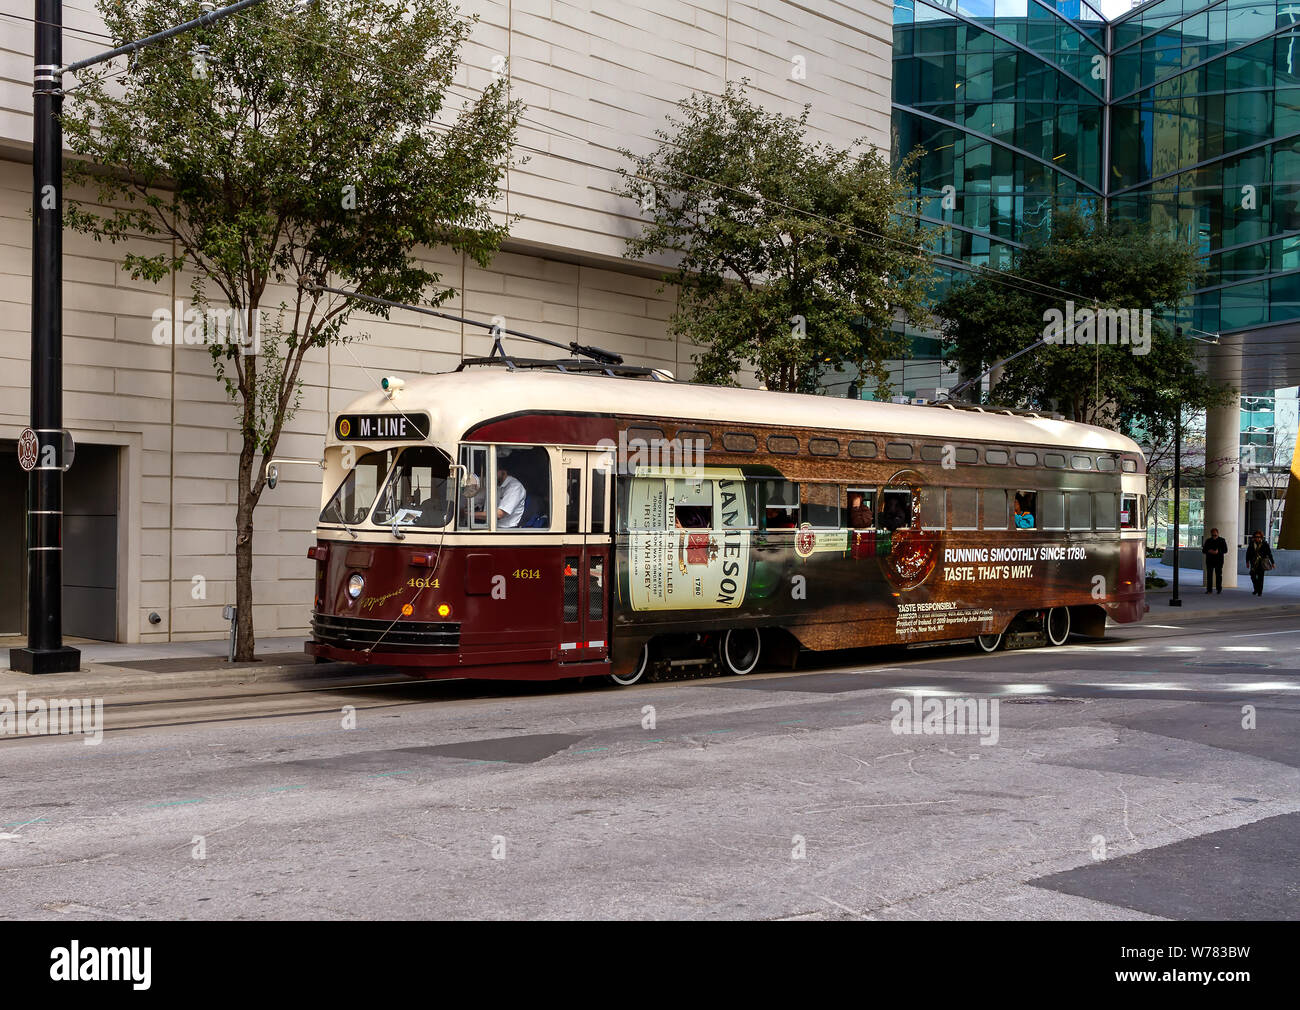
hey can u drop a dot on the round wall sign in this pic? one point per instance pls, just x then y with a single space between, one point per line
27 449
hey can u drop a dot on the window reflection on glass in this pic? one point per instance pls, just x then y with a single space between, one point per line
351 502
820 508
475 489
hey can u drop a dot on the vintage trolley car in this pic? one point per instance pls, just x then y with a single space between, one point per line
528 523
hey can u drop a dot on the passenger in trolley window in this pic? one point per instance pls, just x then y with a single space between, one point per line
859 511
779 519
1024 514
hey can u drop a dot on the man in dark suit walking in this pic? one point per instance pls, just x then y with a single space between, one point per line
1215 550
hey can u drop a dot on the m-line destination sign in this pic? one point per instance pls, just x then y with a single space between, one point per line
389 427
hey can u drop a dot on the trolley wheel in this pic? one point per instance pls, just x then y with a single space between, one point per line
1057 625
739 650
637 672
990 643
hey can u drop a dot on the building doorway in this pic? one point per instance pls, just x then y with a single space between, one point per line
13 547
91 494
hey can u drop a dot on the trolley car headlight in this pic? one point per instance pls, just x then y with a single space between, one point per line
355 585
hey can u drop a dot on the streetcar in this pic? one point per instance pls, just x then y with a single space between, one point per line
543 520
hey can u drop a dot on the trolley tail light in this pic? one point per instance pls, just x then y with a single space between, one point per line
320 552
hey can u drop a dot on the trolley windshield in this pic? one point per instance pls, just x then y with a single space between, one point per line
419 491
351 502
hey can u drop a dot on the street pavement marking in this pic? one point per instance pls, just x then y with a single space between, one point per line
1265 634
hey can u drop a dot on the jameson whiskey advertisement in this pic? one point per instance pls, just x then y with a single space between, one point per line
679 557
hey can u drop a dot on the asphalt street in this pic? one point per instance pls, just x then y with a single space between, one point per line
1152 775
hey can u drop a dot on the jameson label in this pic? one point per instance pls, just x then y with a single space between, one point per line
704 563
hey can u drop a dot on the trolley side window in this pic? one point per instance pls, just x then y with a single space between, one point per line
962 508
1024 510
779 500
419 491
523 480
995 509
647 505
1129 514
1080 505
820 507
736 508
476 489
933 508
1103 507
351 502
861 507
1052 504
599 496
895 509
518 480
693 504
573 499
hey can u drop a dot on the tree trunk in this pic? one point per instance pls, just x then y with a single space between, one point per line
245 640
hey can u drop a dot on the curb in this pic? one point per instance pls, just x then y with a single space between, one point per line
98 678
103 677
1161 605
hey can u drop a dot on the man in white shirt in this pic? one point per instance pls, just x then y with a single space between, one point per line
510 499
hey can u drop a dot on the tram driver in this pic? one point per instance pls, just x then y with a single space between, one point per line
511 498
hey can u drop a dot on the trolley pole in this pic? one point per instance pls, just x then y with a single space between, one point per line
45 651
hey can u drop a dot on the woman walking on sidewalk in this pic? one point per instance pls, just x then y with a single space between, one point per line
1259 559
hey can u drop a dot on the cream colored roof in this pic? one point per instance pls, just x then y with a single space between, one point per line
458 401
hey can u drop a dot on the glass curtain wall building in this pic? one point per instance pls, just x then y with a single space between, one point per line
1007 100
1205 134
1182 114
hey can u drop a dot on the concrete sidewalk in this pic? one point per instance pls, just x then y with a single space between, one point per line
113 668
1281 592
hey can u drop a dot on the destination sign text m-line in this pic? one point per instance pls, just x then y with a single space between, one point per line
382 427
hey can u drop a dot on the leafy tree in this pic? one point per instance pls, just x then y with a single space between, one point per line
789 257
289 148
1115 265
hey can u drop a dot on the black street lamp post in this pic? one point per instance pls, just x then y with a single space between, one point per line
45 651
1174 599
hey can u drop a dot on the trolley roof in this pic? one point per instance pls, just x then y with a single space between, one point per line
459 401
